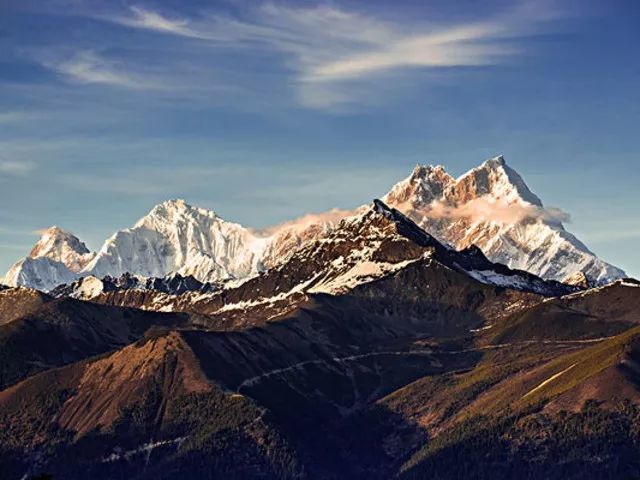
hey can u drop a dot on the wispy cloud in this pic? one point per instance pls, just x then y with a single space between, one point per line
299 224
324 56
13 167
147 19
337 55
88 67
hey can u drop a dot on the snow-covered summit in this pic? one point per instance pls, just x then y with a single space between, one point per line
425 184
61 246
492 207
177 237
56 258
496 179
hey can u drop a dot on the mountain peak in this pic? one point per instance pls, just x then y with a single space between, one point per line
174 210
425 184
400 223
56 258
495 162
380 207
496 179
423 171
56 243
492 206
177 203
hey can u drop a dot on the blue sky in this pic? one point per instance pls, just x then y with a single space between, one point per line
264 111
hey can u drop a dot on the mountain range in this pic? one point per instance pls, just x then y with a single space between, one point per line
360 345
489 207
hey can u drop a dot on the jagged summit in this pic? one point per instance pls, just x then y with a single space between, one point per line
174 209
425 184
177 237
424 171
492 178
492 207
497 179
379 206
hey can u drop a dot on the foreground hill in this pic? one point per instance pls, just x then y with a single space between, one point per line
337 388
39 332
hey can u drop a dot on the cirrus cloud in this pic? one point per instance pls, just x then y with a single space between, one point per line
335 56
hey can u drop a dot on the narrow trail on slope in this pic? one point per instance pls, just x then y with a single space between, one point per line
429 352
548 380
253 380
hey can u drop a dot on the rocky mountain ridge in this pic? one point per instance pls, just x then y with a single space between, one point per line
490 207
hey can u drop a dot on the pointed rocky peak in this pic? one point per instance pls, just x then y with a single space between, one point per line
495 162
493 178
425 184
435 172
379 221
61 246
55 242
378 207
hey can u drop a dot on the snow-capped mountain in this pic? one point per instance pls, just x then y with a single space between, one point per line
491 207
58 257
177 237
40 273
64 247
374 243
173 238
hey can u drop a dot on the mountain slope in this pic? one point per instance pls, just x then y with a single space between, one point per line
146 411
347 385
49 332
